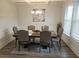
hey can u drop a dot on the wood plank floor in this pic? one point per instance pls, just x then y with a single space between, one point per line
65 52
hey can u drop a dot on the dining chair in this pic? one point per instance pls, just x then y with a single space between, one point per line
15 29
57 39
45 37
59 35
23 38
31 27
45 28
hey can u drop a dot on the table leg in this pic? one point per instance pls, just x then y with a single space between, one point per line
33 39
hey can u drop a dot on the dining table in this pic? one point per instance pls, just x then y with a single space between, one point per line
36 34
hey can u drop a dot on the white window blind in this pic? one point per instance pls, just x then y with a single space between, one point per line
68 20
71 20
75 23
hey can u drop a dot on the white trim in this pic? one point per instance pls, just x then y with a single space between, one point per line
5 44
66 34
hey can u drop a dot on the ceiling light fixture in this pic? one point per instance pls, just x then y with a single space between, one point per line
31 1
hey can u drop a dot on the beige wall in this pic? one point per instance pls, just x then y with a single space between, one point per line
8 18
53 14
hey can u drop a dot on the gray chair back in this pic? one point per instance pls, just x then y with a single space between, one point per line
60 32
45 36
58 26
31 27
45 28
22 35
15 29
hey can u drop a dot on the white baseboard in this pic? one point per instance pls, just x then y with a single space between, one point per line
3 44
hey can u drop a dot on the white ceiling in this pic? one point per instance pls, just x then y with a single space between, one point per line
35 0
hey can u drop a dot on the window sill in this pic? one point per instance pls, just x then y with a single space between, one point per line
70 37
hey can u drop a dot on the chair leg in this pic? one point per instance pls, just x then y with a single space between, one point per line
33 40
16 43
39 49
51 43
49 49
60 42
59 45
18 46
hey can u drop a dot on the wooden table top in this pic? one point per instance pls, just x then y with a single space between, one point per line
37 34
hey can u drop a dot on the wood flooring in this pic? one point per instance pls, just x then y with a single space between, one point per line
65 52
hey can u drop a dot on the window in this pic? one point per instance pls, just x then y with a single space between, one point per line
71 21
68 19
75 24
